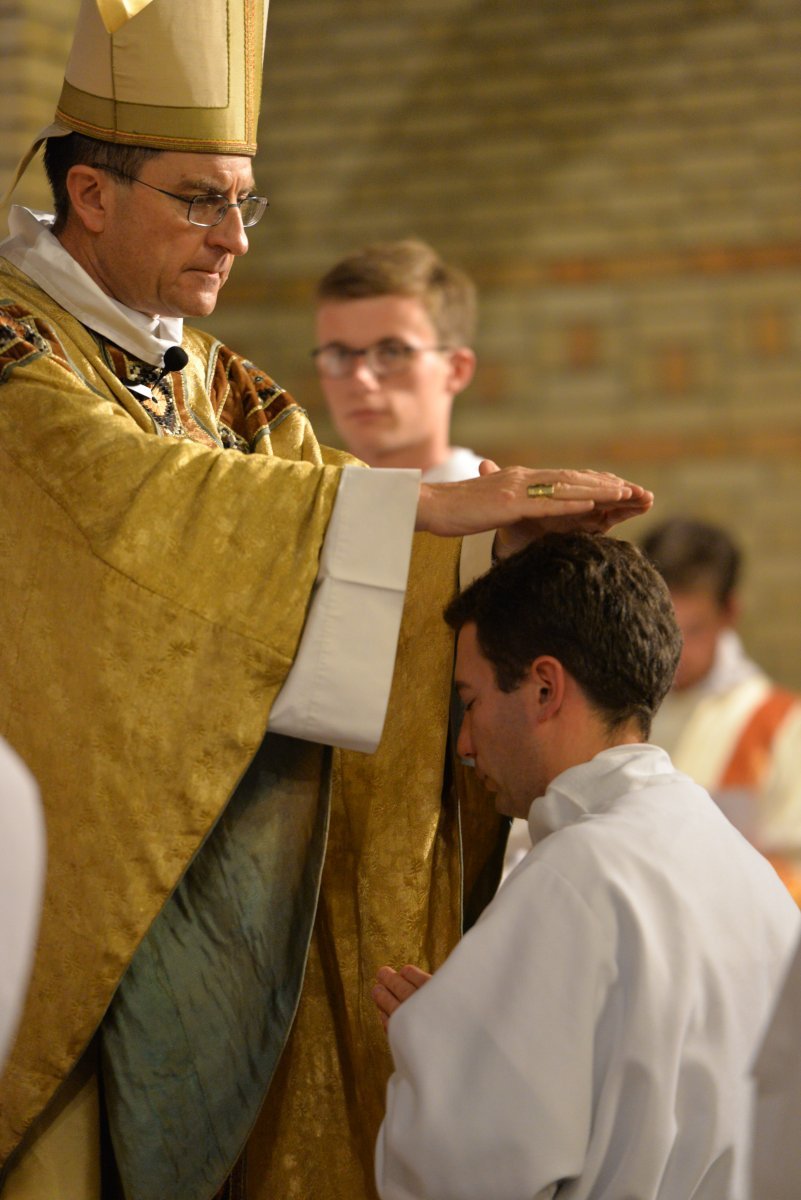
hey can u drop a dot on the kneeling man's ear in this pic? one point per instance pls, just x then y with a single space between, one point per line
547 683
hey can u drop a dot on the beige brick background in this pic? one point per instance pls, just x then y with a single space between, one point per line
622 178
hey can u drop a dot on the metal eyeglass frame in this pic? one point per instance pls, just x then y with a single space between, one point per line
193 201
348 356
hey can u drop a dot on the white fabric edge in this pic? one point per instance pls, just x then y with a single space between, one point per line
337 689
22 876
33 248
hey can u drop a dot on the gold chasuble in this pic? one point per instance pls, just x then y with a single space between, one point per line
218 899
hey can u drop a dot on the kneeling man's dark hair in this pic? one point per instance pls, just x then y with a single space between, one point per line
593 602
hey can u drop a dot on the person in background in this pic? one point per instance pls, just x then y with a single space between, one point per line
593 1033
724 721
394 327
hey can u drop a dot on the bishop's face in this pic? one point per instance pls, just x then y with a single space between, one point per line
148 255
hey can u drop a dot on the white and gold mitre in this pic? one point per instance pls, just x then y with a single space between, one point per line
167 74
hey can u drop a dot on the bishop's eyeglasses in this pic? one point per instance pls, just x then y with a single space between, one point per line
206 210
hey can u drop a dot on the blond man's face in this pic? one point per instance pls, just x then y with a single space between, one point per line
405 412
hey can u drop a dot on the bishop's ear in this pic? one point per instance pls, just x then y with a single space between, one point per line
89 191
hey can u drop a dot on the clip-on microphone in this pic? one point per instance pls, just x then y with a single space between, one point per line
175 359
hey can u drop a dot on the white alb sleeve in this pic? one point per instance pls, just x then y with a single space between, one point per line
338 687
490 1095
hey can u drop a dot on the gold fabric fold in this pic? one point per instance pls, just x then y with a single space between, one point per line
140 651
155 588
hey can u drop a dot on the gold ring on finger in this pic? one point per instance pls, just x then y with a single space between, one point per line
539 491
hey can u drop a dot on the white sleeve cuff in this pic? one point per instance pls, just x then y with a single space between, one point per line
337 690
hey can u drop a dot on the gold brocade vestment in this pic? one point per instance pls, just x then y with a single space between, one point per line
155 588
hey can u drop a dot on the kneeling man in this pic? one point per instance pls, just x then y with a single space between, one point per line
592 1035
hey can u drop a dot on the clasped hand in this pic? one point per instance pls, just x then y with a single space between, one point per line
393 987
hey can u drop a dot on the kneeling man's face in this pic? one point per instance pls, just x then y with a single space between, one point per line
499 730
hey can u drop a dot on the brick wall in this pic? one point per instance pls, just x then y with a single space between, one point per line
622 178
35 39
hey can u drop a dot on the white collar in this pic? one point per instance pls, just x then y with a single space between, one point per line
33 248
591 787
730 668
461 463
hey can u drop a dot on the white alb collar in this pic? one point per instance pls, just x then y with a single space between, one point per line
592 786
33 248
